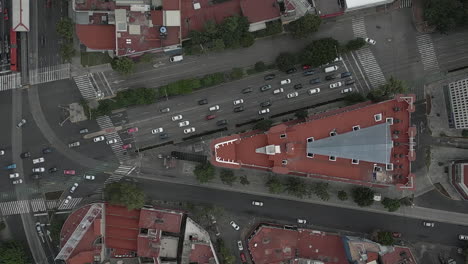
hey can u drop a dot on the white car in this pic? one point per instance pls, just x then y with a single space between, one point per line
189 130
257 203
214 108
234 225
98 139
264 111
2 152
184 123
428 224
73 188
177 117
314 91
89 177
157 130
111 141
67 200
347 90
40 169
238 101
14 175
38 160
240 246
18 181
277 91
370 41
21 123
287 81
301 221
463 237
292 95
335 85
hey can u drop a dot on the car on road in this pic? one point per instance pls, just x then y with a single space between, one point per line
163 135
25 155
221 122
98 139
67 200
38 228
40 169
132 130
203 102
315 81
21 123
75 144
349 82
189 130
14 175
238 101
335 85
428 224
332 77
345 74
308 72
264 111
46 150
463 237
176 58
18 181
396 234
347 90
287 81
265 104
73 188
370 41
111 141
234 225
89 177
35 176
298 86
184 123
247 90
214 108
292 70
240 246
209 117
331 69
306 66
313 91
277 91
265 87
69 172
11 166
269 77
165 110
177 117
243 258
157 130
292 95
83 131
53 169
301 221
238 109
38 160
257 203
127 146
2 152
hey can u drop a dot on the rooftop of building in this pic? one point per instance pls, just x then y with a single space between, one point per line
97 37
361 140
260 10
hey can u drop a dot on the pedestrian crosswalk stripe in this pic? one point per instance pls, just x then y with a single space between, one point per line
406 3
427 51
359 28
373 71
104 122
85 87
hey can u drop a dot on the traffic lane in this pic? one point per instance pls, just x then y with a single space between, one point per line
6 120
315 214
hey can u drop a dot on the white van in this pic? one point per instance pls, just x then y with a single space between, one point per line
331 69
176 58
214 108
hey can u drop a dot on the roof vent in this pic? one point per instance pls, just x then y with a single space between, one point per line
355 128
284 162
333 133
354 161
283 136
389 120
389 167
377 168
378 117
311 139
332 158
310 155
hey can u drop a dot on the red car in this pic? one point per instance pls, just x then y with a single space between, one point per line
132 130
396 234
5 13
209 117
306 67
242 256
69 172
127 146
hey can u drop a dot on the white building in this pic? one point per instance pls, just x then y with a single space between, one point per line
459 102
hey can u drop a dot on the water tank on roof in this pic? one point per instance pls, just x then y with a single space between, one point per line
163 30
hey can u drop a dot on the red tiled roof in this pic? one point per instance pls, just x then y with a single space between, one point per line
82 257
165 221
399 255
171 5
260 10
121 227
149 247
98 37
200 254
234 151
157 17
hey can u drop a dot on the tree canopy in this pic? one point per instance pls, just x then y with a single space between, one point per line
355 44
296 187
263 125
391 204
320 52
227 177
123 65
274 185
125 194
285 61
301 114
385 238
204 172
388 90
305 25
342 195
321 190
12 252
444 15
363 196
65 28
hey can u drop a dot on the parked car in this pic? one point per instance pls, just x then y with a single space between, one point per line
347 90
265 104
40 169
98 139
346 74
292 95
292 70
53 169
184 123
2 152
165 110
463 237
163 135
176 58
287 81
240 246
335 85
209 117
83 131
269 77
21 123
89 177
67 200
298 86
238 101
243 258
301 221
18 181
313 91
370 41
277 91
308 72
265 88
257 203
127 146
428 224
315 81
75 144
238 109
14 175
46 150
157 130
247 90
349 82
189 130
332 77
111 141
221 122
203 102
73 188
25 155
38 160
234 225
132 130
306 66
69 172
264 111
177 117
214 108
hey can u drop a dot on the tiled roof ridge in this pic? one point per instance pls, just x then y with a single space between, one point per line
340 110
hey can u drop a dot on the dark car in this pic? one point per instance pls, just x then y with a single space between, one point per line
83 131
247 90
332 77
163 135
164 110
345 74
265 104
25 155
221 122
309 72
46 150
53 169
209 117
298 86
314 81
35 176
238 109
203 102
292 70
269 77
265 87
349 82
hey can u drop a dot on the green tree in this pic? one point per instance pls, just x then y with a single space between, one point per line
354 98
204 172
125 194
218 45
385 238
2 225
123 65
65 28
296 187
301 114
247 40
444 15
263 125
146 58
244 180
226 256
237 73
211 29
305 25
12 252
355 44
320 52
196 38
275 185
285 61
67 51
391 204
260 66
343 195
227 177
387 91
363 196
321 190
